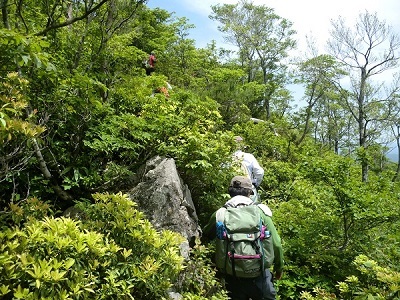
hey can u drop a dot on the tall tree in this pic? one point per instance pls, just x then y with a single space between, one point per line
319 75
332 120
394 124
263 39
367 49
180 55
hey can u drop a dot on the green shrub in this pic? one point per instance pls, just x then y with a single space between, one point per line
56 259
371 282
198 280
152 259
114 253
25 210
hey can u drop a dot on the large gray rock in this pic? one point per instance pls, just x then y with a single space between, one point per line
165 200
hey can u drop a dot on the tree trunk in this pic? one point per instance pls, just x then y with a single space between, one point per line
396 176
4 13
362 124
46 173
306 125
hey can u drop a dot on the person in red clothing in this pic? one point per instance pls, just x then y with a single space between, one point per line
151 63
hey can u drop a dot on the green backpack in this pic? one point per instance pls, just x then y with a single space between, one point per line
244 244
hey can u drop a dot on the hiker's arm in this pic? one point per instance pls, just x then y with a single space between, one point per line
209 231
257 170
278 251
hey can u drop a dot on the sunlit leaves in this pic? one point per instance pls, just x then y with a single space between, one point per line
19 50
12 109
55 258
371 282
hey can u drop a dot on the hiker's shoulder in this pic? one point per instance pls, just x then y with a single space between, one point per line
265 209
238 200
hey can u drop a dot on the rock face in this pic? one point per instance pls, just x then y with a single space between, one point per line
165 200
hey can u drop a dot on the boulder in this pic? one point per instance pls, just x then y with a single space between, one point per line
166 200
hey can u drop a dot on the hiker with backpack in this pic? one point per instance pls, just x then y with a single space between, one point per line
247 244
252 168
150 63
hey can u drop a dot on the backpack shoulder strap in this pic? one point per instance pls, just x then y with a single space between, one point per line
266 210
220 215
234 202
238 201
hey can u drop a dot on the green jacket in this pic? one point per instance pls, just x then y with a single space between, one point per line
209 231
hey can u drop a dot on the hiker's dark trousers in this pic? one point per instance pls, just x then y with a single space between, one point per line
259 288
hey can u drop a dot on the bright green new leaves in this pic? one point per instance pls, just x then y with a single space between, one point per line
13 119
371 281
114 252
53 258
17 126
153 259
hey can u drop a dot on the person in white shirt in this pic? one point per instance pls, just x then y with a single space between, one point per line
254 170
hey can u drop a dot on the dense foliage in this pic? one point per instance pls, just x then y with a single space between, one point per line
112 251
79 116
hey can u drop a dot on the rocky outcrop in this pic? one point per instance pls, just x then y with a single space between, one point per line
166 200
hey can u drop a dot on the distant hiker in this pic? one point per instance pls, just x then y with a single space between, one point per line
150 64
252 168
163 90
247 244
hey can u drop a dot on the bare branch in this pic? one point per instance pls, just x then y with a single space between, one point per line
73 20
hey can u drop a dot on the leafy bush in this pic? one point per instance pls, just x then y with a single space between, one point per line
114 253
152 260
198 280
23 211
55 259
371 282
17 129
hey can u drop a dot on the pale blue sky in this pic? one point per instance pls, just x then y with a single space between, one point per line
309 17
197 14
